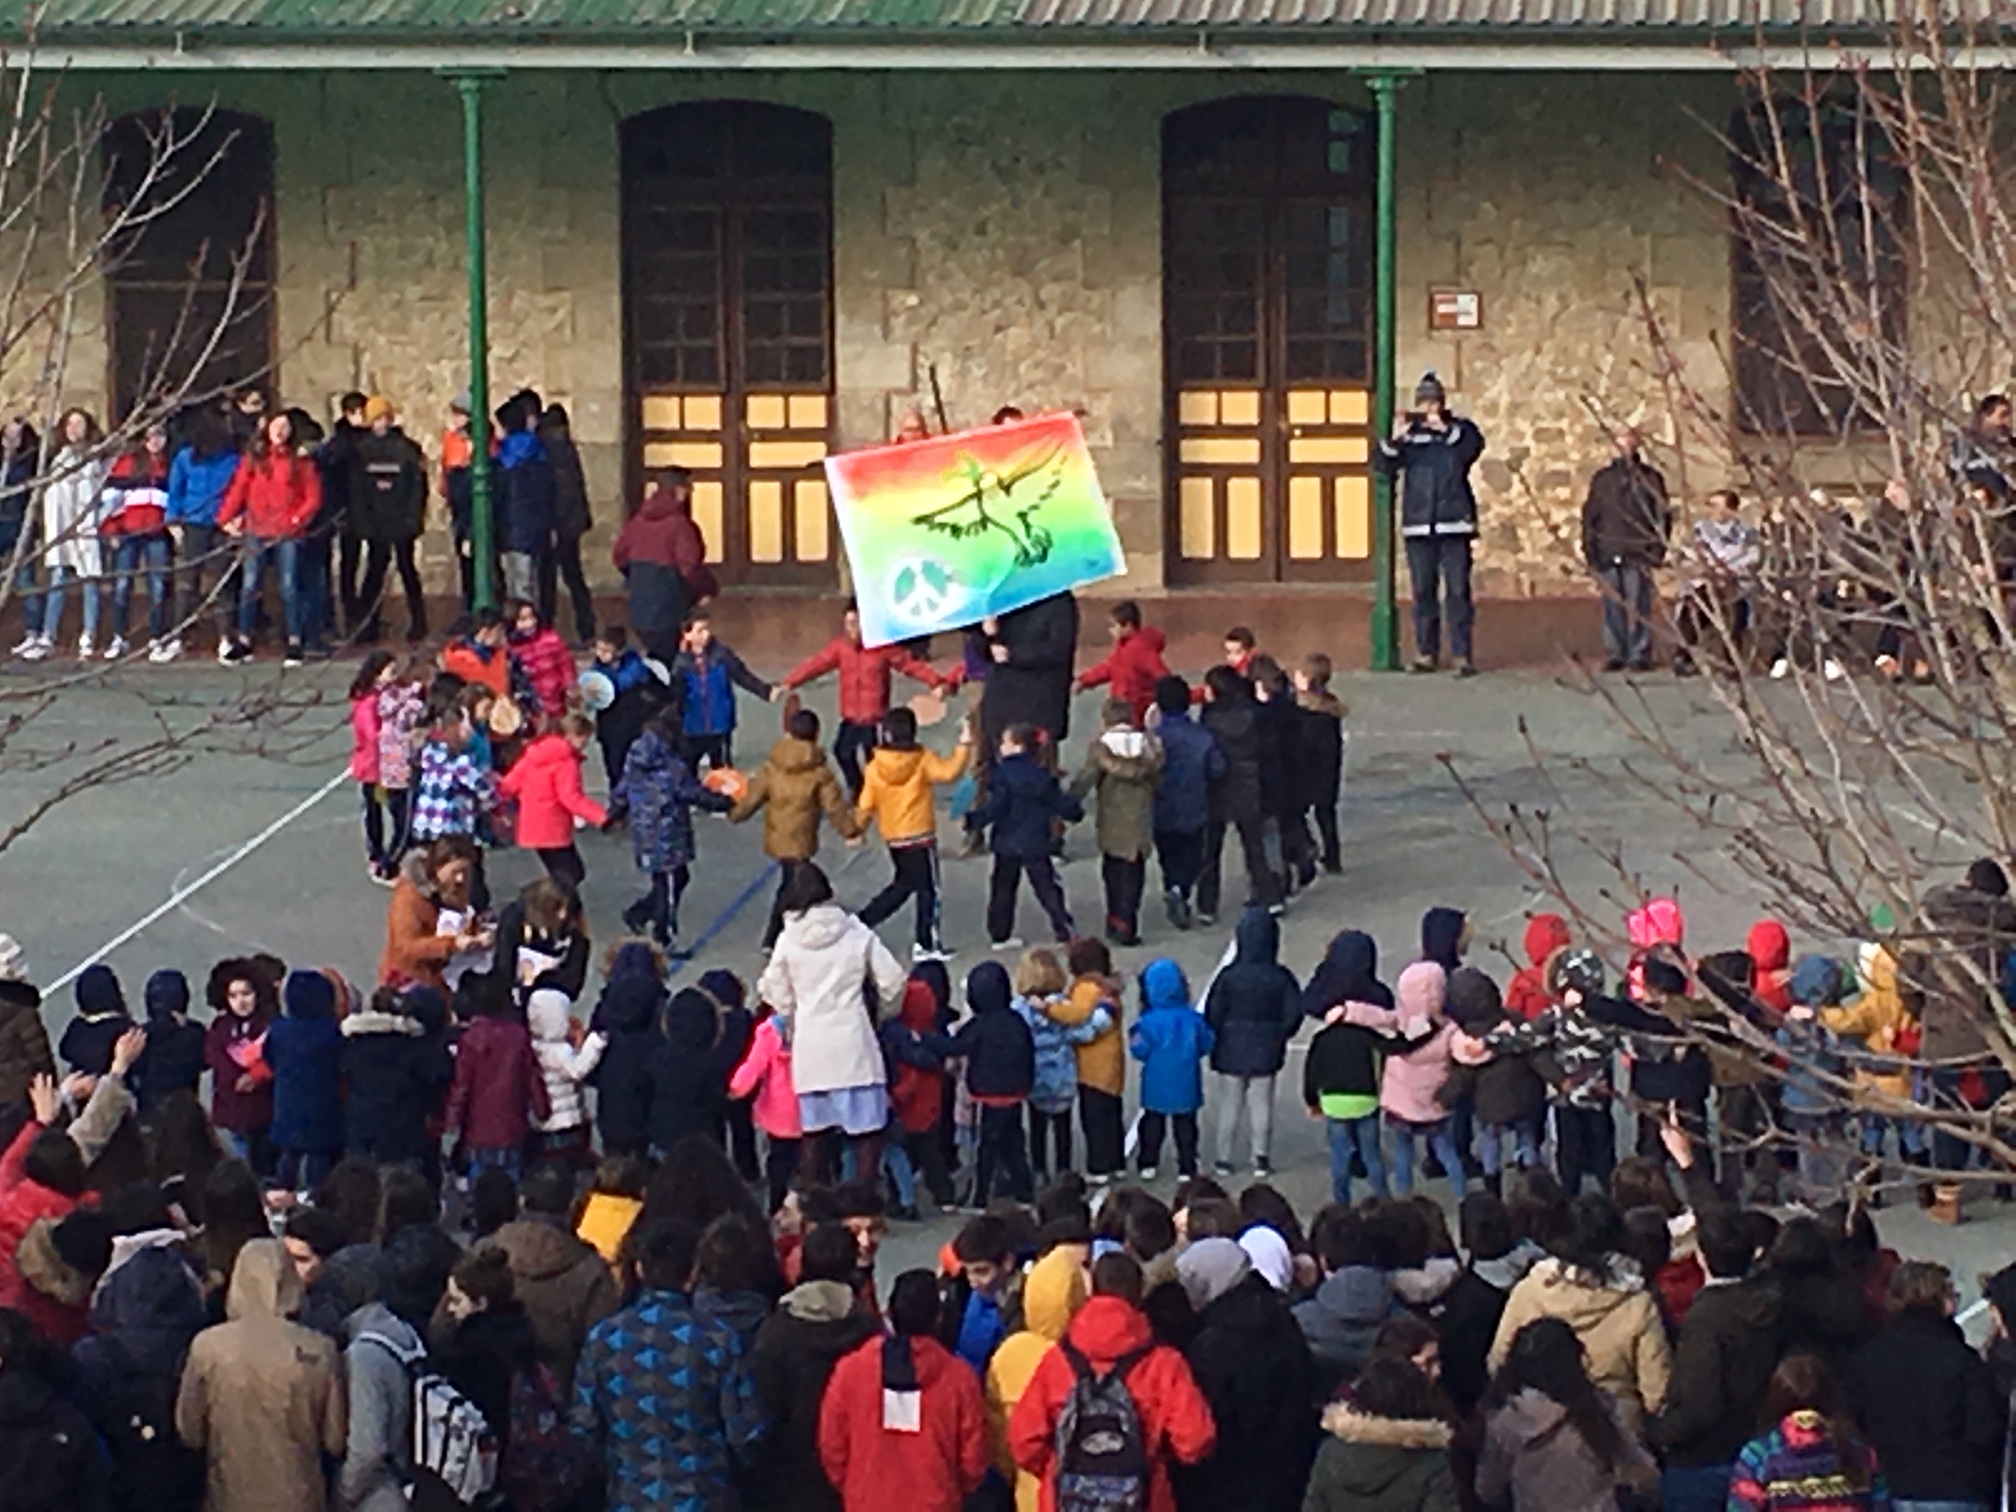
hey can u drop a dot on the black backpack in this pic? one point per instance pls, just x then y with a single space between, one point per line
1102 1453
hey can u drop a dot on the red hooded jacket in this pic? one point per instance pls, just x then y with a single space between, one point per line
22 1203
865 676
545 783
916 1092
1770 949
875 1468
1527 994
1175 1419
277 496
498 1088
1133 669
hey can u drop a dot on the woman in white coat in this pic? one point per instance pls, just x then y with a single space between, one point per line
825 964
70 506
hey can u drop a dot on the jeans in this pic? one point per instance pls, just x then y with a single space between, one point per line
1360 1136
24 588
1695 1488
206 553
510 1161
52 603
1254 1095
129 556
1627 612
1440 568
1153 1126
902 1173
311 586
1440 1140
286 559
1525 1135
1823 1162
303 1170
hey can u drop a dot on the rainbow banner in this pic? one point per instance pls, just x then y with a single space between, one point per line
943 532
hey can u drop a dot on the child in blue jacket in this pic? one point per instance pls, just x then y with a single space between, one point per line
706 674
304 1048
1170 1039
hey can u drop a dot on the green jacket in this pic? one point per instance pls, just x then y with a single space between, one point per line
1124 764
1375 1464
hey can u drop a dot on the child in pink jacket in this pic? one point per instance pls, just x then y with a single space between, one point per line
1411 1084
765 1076
365 768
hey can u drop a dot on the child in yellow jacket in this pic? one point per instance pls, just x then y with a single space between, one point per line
1102 1062
897 793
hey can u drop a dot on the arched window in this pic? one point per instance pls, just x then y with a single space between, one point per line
728 321
190 266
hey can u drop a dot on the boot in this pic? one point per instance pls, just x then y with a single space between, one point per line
1494 1183
1945 1203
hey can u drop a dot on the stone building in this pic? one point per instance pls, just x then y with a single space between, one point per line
737 233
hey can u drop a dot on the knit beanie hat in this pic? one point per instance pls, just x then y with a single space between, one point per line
1430 387
98 993
377 408
1210 1268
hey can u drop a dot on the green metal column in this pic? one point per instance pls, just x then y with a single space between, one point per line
1385 258
469 84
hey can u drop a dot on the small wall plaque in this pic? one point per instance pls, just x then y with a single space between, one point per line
1455 310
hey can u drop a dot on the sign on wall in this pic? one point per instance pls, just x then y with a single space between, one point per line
1455 310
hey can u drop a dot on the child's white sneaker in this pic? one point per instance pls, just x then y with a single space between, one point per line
28 643
38 649
116 648
84 647
1781 669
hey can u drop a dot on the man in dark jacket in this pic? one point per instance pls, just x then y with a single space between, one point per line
1722 1364
571 521
1625 522
1926 1401
1254 1008
387 491
1191 765
1433 451
333 460
1033 650
818 1322
1238 802
658 551
524 495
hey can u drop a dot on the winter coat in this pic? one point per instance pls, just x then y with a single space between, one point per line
1576 1051
197 485
455 792
865 675
135 502
262 1397
572 518
229 1038
1255 1005
1504 1089
524 494
1133 668
498 1087
1170 1039
144 1313
1234 723
657 793
398 1072
1341 1321
1617 1321
414 952
306 1058
1928 1405
659 551
1053 1087
1378 1464
1416 1069
1434 466
545 784
1176 1421
1877 1019
689 1085
916 1051
1340 1073
897 790
1722 1364
1192 767
626 1078
817 981
1023 799
1666 1066
24 1042
1466 1316
366 737
401 707
54 1460
764 1078
377 1454
563 1283
1280 795
793 787
1316 760
663 1399
1802 1466
1770 950
1348 973
276 496
562 1066
1527 996
1532 1451
874 1467
1254 1368
707 681
1052 1294
387 488
69 505
174 1057
89 1038
996 1042
1102 1059
546 665
1626 520
1123 765
814 1327
1033 686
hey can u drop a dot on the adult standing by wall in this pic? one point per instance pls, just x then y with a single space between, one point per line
387 491
663 558
571 521
1432 451
524 495
1625 524
1034 650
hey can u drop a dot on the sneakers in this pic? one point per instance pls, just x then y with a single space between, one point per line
1832 670
1465 667
116 648
1013 942
165 650
1147 1173
922 953
1205 920
1425 664
27 643
234 653
85 647
35 648
1263 1170
293 655
1781 669
1224 1170
227 651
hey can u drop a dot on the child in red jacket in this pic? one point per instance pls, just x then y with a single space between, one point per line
544 659
1136 664
273 496
498 1088
546 786
865 676
1527 995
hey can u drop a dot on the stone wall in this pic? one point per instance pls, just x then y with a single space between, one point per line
1006 227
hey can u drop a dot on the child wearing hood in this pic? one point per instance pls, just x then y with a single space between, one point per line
173 1059
87 1043
304 1050
1254 1007
1578 1052
657 792
1340 1075
1170 1039
1770 950
1056 1287
793 787
917 1050
1411 1082
568 1055
1000 1055
1660 927
764 1081
1123 767
1509 1097
1039 989
898 792
1527 995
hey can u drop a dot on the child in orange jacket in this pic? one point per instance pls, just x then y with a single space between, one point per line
897 793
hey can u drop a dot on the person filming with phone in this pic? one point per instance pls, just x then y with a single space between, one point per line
1433 450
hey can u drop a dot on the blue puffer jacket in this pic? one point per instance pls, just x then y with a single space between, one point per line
1191 762
658 793
1056 1086
196 486
1170 1039
305 1051
709 681
525 493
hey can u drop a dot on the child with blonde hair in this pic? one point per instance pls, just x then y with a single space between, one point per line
1041 991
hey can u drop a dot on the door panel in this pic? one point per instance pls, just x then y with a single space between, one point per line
1267 308
728 262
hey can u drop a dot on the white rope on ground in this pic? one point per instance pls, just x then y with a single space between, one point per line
188 890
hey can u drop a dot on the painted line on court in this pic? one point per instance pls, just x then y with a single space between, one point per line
182 892
741 901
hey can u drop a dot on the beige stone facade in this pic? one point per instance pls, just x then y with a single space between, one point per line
1006 227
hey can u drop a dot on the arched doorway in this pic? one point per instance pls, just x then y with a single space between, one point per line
1267 321
728 325
190 282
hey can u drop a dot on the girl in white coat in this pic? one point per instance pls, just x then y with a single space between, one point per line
69 514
